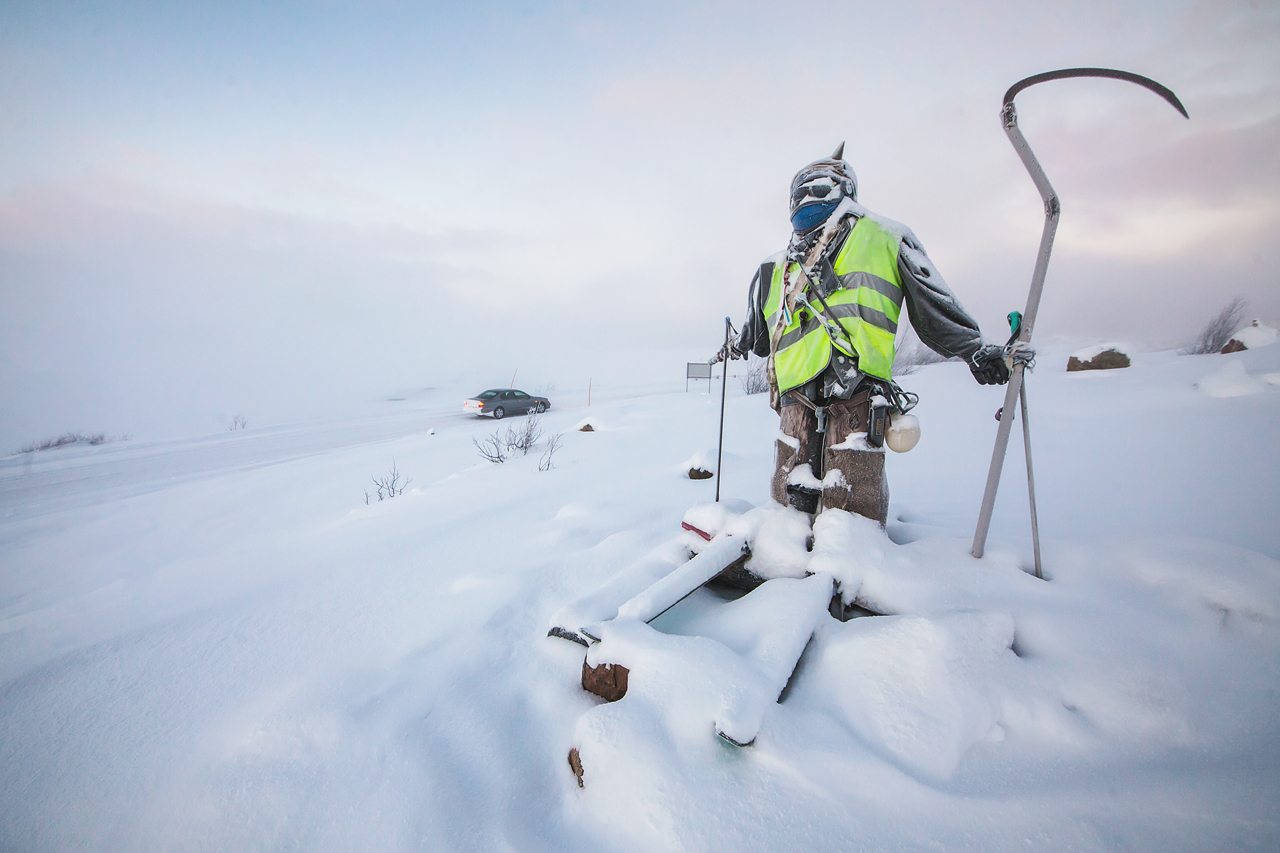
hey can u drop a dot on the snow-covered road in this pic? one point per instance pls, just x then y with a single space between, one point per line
215 644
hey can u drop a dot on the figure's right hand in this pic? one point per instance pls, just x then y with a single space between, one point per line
988 366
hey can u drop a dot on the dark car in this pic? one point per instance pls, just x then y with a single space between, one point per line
500 402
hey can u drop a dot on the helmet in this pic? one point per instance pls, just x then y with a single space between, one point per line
818 189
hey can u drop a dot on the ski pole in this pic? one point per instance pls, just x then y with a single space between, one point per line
1031 481
1009 117
724 383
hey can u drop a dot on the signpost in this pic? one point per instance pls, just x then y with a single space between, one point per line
697 370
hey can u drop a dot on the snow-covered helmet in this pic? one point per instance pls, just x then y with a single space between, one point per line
818 189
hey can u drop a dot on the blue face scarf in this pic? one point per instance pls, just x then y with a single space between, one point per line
812 215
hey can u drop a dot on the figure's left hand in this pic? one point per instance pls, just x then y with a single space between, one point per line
988 365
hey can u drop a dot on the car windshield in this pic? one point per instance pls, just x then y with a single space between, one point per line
486 395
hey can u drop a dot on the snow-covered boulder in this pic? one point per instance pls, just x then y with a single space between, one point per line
698 466
1251 337
1104 357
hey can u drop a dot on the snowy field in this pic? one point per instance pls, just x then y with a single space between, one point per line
215 644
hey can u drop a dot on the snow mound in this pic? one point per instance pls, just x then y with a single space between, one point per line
1230 381
714 518
780 547
849 547
918 691
588 422
703 460
1255 335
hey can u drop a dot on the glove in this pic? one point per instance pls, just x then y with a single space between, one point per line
988 367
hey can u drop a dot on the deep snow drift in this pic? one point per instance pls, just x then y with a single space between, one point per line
215 644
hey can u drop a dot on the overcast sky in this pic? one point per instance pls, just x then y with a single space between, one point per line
260 208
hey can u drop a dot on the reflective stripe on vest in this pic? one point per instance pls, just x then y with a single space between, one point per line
866 307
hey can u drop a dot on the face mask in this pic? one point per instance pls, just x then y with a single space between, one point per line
812 215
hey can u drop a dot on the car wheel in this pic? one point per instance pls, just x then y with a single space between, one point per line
538 409
499 413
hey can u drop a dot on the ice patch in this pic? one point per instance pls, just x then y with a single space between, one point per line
1230 381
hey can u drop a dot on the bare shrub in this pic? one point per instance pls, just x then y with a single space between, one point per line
1214 336
553 444
524 437
493 448
69 438
756 380
389 486
238 422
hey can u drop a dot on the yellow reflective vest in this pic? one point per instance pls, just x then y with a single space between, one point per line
860 318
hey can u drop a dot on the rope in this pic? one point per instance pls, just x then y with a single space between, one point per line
1020 352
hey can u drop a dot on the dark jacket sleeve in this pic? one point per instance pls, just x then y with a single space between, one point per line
754 337
937 316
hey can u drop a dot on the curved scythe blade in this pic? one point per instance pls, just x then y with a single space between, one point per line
1063 74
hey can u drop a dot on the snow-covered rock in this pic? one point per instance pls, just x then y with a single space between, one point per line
699 466
1102 357
1251 336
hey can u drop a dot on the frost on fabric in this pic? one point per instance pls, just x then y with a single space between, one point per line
897 229
780 546
919 691
1232 380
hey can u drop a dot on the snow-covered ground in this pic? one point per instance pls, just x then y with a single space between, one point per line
216 644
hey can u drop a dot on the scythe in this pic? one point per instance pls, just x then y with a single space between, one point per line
1016 388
